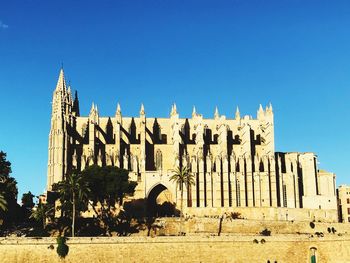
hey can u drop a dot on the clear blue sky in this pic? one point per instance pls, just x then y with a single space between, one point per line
294 54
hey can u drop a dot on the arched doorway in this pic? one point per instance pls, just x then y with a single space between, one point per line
160 202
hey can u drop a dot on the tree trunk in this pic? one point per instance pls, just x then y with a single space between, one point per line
73 216
182 200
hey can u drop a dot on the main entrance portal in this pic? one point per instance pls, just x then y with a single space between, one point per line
160 202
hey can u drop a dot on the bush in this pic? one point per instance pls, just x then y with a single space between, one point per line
62 248
265 232
312 225
319 234
333 230
262 241
235 215
255 241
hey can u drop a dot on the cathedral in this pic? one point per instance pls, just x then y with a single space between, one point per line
233 160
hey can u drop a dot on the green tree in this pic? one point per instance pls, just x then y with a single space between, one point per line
8 191
73 191
42 212
27 200
109 185
182 177
5 166
3 203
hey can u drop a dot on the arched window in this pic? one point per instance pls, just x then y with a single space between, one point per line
159 160
313 251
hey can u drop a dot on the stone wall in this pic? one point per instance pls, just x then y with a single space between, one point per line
180 249
269 213
200 226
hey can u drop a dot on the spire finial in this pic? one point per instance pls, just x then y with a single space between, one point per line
118 111
261 108
194 113
238 114
92 108
216 114
142 110
175 109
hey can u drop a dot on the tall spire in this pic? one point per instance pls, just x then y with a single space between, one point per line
61 83
238 114
216 114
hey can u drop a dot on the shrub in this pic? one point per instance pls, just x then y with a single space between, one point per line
329 230
262 241
333 230
255 241
235 215
265 232
62 248
312 225
319 234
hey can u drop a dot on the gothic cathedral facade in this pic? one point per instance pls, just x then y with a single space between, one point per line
233 160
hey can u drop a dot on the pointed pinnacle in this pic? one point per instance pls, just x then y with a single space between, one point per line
216 114
118 109
261 108
92 108
175 109
194 113
270 106
237 115
142 110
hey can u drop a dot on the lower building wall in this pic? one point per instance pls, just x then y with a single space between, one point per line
180 249
269 213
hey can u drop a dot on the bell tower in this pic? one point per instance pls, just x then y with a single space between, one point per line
58 137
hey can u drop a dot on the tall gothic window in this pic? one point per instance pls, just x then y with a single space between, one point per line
284 195
159 160
238 193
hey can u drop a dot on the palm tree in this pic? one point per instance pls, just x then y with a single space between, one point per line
73 189
3 203
182 176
